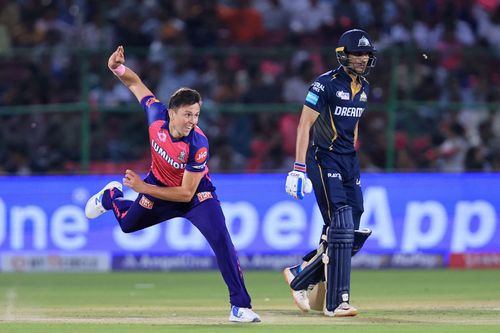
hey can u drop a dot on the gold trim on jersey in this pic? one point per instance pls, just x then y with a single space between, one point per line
356 133
355 88
334 129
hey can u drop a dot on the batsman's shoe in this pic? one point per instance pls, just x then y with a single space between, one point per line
94 207
299 296
243 315
343 310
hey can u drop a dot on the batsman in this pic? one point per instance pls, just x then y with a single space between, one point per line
326 161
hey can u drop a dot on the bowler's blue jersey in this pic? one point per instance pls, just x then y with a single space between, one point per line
340 105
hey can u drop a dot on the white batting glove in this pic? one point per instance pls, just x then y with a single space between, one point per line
297 183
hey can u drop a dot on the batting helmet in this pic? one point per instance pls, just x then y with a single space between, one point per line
355 40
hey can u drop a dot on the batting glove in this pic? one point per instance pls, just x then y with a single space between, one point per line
297 183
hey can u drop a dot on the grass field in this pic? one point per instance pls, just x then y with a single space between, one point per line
388 301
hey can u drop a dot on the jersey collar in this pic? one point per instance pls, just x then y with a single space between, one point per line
184 138
346 76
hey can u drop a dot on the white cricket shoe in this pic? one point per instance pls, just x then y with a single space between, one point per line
243 315
343 310
299 296
94 207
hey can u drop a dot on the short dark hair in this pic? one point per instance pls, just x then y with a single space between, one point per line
184 96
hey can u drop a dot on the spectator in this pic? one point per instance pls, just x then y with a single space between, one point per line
181 40
243 22
294 87
451 153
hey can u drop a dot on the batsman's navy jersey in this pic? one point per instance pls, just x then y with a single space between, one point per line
332 163
171 156
340 104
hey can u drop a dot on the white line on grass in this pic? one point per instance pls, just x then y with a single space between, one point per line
10 296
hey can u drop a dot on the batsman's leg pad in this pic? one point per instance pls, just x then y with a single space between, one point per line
313 272
360 237
338 258
316 296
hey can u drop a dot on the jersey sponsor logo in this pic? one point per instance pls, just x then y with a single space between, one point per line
363 97
312 98
162 136
363 41
200 167
358 182
343 95
160 151
182 156
201 155
316 86
334 175
202 196
151 100
348 112
146 203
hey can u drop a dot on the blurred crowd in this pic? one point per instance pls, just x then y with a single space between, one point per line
436 79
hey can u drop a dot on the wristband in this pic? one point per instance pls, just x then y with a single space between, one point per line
120 70
299 167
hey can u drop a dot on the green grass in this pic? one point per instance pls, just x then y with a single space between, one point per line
389 301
